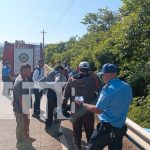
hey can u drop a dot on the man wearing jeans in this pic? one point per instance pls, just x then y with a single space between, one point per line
37 75
112 107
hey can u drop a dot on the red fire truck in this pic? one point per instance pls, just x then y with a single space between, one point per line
19 53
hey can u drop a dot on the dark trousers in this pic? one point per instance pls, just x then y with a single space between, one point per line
38 94
105 135
86 121
51 104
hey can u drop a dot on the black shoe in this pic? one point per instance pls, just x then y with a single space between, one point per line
35 116
48 129
32 139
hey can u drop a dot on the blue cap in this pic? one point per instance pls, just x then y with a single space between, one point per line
108 68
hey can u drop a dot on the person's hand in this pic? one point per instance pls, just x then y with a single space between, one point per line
72 79
79 103
65 109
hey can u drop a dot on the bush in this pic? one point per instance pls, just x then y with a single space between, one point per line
139 111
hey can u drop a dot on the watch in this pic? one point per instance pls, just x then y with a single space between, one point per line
81 104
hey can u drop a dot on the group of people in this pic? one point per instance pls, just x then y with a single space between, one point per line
111 106
85 91
58 74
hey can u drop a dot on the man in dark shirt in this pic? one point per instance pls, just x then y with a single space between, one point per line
85 87
22 113
50 123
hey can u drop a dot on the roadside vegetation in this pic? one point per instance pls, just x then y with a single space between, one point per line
122 38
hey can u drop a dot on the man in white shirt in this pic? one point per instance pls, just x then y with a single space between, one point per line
37 75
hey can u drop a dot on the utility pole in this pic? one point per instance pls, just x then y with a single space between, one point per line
43 32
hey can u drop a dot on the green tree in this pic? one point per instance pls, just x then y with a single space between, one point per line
100 21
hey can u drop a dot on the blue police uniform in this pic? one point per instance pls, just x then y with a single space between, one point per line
114 101
6 73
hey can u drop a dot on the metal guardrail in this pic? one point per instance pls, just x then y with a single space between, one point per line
138 135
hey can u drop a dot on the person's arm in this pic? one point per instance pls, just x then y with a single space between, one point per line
66 95
35 75
89 107
9 74
92 108
58 78
20 100
18 92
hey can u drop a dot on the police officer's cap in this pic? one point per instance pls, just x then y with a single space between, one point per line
108 68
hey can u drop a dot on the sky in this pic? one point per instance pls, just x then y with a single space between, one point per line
60 19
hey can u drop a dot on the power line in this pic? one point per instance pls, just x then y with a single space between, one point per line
51 9
63 14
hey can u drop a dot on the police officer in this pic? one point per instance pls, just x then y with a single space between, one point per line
84 87
6 77
112 107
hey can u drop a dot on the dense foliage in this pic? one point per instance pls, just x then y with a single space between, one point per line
122 38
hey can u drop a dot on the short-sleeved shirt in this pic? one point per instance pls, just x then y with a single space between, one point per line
60 78
114 101
6 70
18 91
38 74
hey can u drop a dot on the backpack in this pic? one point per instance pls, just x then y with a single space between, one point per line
51 76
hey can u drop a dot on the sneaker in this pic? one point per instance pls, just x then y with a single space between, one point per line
35 116
48 129
32 139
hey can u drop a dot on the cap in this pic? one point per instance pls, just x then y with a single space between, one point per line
84 64
7 62
108 68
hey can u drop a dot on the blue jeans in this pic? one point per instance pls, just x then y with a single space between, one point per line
106 135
